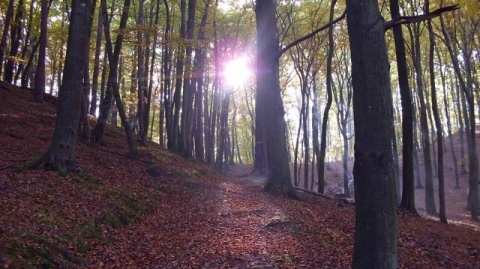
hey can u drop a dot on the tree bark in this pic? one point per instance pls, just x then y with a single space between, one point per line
6 24
438 123
39 89
268 88
96 65
408 189
323 143
473 196
375 214
15 36
98 133
61 154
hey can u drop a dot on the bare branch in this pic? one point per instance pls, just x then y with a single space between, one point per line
419 18
312 34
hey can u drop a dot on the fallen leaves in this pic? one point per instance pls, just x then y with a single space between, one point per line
177 214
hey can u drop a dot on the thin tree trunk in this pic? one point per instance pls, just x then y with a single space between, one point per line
449 124
98 133
429 189
6 24
473 198
15 36
96 65
438 123
323 144
40 81
408 193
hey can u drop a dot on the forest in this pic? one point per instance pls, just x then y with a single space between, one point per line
243 134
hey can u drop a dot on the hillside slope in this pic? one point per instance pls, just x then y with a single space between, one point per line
161 211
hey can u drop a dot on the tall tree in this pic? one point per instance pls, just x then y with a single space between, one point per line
61 154
6 24
408 190
141 74
466 86
39 89
15 37
323 142
438 123
98 133
375 210
96 64
425 135
268 92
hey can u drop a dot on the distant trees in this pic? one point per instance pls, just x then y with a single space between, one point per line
158 67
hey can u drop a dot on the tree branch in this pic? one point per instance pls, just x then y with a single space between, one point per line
312 34
419 18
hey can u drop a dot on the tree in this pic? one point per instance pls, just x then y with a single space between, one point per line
470 120
323 143
6 24
15 37
408 190
438 123
375 213
268 93
61 154
98 133
39 89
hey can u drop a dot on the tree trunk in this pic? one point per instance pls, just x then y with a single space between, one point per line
61 154
15 36
141 75
375 213
98 133
438 123
323 143
473 198
429 189
268 88
449 124
179 73
6 24
39 89
408 189
96 65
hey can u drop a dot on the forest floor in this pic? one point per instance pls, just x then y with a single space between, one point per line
162 211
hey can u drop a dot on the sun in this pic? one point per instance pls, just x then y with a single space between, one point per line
237 72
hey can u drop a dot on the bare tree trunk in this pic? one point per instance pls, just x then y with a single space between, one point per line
6 24
98 133
323 144
438 123
61 154
96 65
141 75
429 190
40 81
473 198
375 243
449 124
15 36
408 193
268 88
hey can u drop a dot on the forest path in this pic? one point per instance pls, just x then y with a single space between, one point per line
219 222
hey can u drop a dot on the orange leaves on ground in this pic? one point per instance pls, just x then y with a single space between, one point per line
117 215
